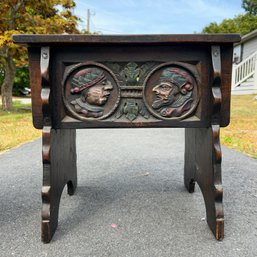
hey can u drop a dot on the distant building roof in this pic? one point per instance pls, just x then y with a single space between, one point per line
247 37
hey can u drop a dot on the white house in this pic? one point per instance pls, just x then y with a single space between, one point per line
244 75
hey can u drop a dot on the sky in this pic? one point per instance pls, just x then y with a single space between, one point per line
154 16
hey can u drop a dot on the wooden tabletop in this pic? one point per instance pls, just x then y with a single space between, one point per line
41 39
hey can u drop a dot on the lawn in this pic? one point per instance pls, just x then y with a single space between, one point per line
241 134
16 126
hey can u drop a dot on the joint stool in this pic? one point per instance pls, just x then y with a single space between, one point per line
130 81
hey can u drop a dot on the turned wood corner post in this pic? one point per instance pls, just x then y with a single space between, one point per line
58 156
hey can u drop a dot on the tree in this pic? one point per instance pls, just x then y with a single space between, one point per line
243 24
250 6
30 17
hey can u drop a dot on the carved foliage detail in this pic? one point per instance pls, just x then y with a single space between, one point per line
131 78
131 74
131 108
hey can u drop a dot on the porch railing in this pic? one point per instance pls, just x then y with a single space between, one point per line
245 70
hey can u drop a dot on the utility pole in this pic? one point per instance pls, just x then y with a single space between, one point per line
88 20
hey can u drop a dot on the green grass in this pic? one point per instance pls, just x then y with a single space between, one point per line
241 134
16 126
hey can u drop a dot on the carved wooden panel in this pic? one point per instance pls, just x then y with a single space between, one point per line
91 91
149 91
170 91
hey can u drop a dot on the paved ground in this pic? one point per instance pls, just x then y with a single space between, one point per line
132 178
24 100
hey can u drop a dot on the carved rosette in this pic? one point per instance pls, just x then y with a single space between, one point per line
90 91
170 92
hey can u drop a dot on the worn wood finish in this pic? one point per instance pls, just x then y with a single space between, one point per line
189 159
35 82
139 49
203 165
92 81
124 39
59 169
58 153
203 155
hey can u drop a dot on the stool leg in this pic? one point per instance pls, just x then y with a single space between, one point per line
208 176
189 160
59 169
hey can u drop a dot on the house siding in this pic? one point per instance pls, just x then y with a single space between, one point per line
249 47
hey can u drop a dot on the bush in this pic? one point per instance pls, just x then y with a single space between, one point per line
21 81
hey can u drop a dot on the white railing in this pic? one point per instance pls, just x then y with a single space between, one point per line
245 70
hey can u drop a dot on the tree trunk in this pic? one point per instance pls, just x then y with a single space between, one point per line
6 89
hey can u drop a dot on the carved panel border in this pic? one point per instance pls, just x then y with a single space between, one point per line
131 91
90 91
171 91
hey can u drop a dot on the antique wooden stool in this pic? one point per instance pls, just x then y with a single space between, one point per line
92 81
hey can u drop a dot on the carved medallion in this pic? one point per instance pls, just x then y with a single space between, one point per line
170 92
91 91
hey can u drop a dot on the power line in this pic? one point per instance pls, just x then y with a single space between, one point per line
89 22
97 29
86 5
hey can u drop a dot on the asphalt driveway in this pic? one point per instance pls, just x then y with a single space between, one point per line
130 200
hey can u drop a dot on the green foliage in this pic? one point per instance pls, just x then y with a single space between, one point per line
21 80
243 24
33 17
250 6
29 17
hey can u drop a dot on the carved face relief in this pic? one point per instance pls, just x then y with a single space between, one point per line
170 92
98 95
88 90
165 94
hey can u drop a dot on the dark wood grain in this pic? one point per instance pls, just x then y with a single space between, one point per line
59 169
203 165
190 159
35 84
124 39
142 81
203 154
